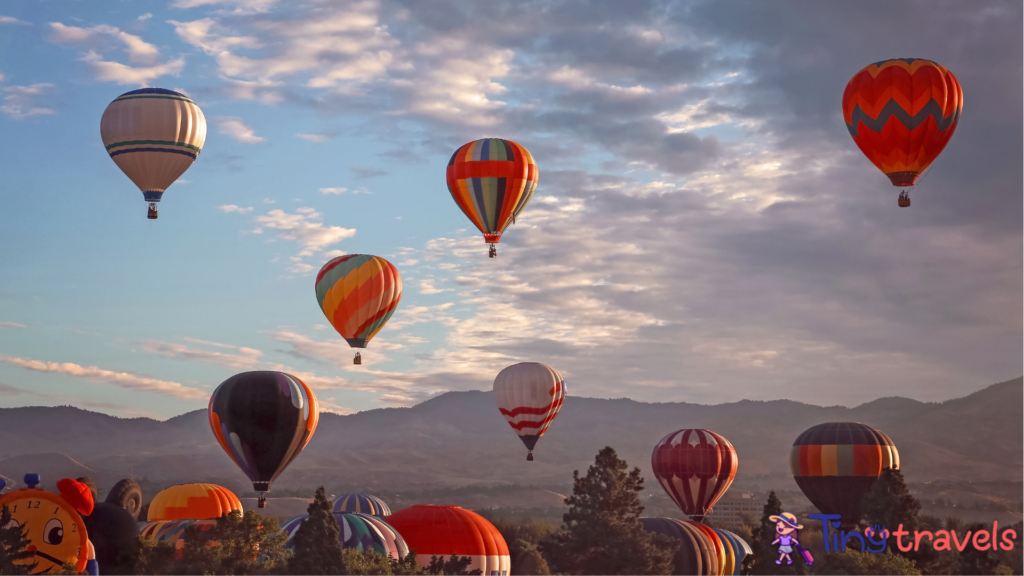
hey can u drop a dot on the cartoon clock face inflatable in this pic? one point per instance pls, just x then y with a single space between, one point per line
55 530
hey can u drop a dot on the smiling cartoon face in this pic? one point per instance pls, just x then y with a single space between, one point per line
55 530
783 528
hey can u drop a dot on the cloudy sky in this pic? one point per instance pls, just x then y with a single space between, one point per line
705 229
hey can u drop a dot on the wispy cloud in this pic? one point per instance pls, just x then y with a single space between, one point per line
18 103
333 190
303 228
233 208
5 324
121 379
363 172
145 16
12 20
145 57
245 359
318 138
235 128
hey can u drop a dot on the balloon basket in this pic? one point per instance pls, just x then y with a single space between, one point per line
151 214
492 251
358 359
261 503
904 200
529 457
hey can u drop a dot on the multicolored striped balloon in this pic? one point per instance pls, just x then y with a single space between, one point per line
902 113
263 420
529 396
492 180
695 467
362 503
360 531
153 135
836 463
358 293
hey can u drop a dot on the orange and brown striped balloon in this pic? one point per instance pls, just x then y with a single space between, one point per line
836 463
358 293
902 113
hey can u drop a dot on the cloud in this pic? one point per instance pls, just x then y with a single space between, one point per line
245 359
235 128
303 228
232 208
12 20
145 16
120 379
5 324
18 103
145 56
333 190
363 172
332 407
318 138
427 287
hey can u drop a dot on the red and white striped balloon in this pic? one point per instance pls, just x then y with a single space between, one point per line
695 467
529 395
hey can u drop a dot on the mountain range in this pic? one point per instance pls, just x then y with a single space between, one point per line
460 439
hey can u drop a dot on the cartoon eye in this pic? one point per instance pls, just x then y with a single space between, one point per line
54 532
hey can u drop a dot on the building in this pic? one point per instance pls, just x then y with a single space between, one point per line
729 511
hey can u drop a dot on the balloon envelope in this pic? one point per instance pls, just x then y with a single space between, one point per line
153 135
193 502
695 467
362 503
696 554
112 530
902 113
360 531
835 464
445 530
529 396
358 293
492 180
263 420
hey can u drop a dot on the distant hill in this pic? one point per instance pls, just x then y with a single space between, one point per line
459 438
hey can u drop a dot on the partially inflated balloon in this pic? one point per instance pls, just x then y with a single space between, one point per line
358 293
529 396
695 467
193 502
902 113
492 180
153 135
263 420
696 554
836 463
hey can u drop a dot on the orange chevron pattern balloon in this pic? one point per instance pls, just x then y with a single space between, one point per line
902 113
358 293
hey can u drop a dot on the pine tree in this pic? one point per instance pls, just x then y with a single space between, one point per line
407 565
317 549
974 561
368 562
601 533
454 566
13 546
762 561
889 502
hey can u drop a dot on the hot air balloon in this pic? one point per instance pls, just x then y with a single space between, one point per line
360 531
492 180
740 549
53 524
263 420
193 502
173 531
695 467
358 293
835 464
445 530
902 113
696 554
529 395
362 503
153 135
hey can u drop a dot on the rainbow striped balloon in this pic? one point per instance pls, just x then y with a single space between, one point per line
492 180
153 135
358 293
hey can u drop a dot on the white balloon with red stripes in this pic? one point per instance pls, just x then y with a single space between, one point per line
695 467
529 395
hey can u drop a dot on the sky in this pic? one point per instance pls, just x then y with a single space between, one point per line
704 230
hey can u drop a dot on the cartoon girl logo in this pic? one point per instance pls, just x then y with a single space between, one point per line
786 534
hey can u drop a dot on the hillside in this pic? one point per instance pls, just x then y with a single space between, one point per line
459 439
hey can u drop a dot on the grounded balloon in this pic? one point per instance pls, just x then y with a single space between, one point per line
358 293
153 135
695 467
445 530
173 531
263 420
696 554
113 532
739 546
720 548
359 531
362 503
835 464
127 494
53 524
193 502
902 113
529 396
492 180
92 487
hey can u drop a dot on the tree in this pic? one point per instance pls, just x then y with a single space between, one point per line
249 544
368 562
317 549
854 561
601 533
974 561
155 557
530 561
889 503
14 546
407 565
523 541
762 561
456 565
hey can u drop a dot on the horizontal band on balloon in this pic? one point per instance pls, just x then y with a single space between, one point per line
160 142
531 425
152 195
130 150
493 169
840 460
893 111
154 97
533 411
